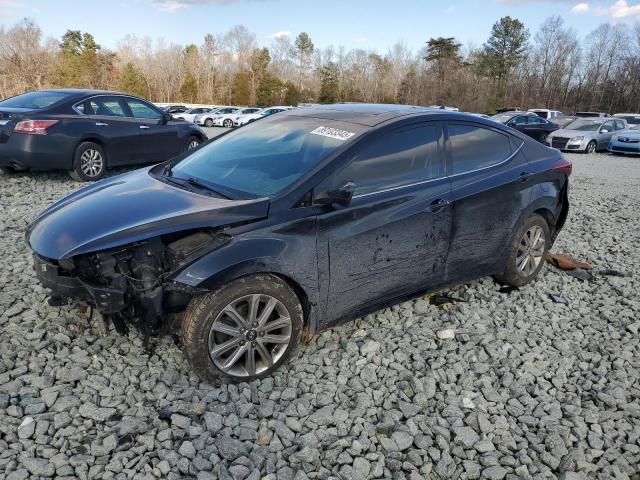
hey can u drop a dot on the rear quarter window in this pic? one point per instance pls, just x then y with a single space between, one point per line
474 147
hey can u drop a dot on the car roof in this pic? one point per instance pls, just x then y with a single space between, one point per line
368 114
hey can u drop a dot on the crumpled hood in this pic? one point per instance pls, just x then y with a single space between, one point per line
129 208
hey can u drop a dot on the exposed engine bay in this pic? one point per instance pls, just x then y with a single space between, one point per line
131 283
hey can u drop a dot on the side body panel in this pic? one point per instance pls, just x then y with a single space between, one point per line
284 244
382 247
486 207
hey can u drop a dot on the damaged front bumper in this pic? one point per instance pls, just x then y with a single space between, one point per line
105 299
131 283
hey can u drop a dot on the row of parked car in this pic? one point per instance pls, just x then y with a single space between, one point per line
226 116
587 132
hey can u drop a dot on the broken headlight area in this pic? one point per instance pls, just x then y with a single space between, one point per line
130 284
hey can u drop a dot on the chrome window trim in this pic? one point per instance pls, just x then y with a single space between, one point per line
513 154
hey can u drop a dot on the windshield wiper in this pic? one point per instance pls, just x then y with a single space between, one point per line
194 182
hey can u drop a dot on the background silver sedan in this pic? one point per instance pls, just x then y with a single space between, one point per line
586 134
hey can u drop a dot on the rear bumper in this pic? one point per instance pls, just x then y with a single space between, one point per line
105 299
36 152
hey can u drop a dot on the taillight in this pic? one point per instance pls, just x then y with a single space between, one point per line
562 166
34 127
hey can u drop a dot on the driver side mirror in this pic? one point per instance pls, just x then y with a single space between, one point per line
338 196
604 130
165 118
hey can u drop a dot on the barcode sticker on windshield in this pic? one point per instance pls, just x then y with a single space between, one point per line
333 133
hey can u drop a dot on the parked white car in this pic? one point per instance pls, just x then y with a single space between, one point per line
226 119
190 114
252 117
546 113
206 119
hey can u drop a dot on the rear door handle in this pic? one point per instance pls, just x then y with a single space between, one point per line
524 176
101 124
144 127
437 205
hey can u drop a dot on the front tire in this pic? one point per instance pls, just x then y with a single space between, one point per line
208 122
89 162
526 252
193 142
592 146
243 331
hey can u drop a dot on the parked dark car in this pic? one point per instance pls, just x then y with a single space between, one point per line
528 123
304 219
591 114
174 109
87 131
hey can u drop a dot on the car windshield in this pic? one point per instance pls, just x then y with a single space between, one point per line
584 124
35 100
261 159
501 118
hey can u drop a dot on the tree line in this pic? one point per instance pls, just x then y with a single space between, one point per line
552 68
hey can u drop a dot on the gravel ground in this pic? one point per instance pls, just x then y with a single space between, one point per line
498 386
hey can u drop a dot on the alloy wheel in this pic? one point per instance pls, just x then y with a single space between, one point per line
91 162
530 251
228 123
193 143
250 335
591 148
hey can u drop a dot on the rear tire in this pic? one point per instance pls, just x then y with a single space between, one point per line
89 162
265 325
592 147
208 122
526 252
228 123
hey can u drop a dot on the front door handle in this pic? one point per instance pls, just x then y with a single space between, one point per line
101 124
437 205
524 176
144 127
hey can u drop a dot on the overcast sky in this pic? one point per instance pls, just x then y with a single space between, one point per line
374 24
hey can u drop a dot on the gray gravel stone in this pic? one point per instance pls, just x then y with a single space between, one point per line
526 388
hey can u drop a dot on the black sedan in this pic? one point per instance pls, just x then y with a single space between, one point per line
528 123
87 131
302 220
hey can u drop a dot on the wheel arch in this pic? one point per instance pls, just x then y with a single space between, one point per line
255 267
94 139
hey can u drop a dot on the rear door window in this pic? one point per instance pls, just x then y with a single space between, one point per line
103 106
404 157
473 147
